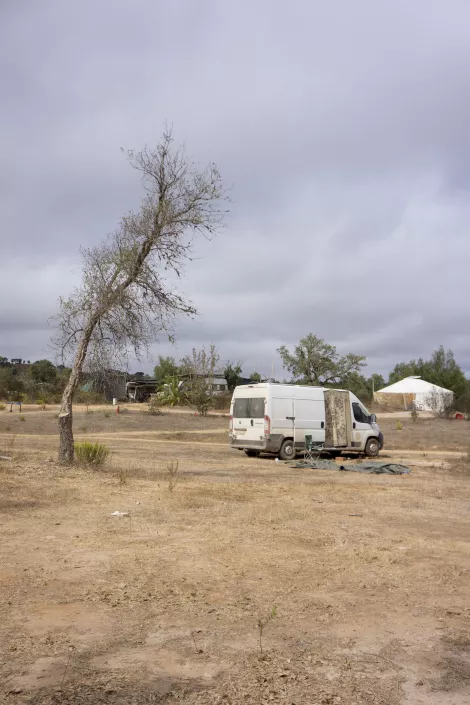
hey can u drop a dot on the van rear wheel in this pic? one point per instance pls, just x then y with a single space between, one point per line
372 447
287 451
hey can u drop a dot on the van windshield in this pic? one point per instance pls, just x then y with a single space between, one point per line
249 408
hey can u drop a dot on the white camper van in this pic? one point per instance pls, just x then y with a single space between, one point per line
275 418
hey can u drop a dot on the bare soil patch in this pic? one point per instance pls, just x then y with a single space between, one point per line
369 576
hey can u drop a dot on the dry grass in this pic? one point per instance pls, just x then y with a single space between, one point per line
425 434
369 576
105 420
461 466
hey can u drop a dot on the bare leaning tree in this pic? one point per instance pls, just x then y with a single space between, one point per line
124 300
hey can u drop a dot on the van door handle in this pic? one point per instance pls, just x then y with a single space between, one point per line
322 425
252 422
354 425
290 418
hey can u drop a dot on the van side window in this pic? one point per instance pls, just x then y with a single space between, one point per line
359 414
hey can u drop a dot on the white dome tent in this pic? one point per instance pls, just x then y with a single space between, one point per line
415 392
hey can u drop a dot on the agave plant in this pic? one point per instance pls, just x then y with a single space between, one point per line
171 393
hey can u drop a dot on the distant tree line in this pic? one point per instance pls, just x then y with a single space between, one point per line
312 361
38 381
43 382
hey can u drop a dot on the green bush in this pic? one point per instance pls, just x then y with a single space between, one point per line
2 407
22 417
91 453
171 393
81 397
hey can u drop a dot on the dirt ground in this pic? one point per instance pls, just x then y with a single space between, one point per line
361 582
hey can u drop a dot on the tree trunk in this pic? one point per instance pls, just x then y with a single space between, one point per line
66 446
66 449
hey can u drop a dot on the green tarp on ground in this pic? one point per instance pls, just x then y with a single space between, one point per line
372 466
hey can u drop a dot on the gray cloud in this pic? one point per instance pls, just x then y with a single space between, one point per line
342 127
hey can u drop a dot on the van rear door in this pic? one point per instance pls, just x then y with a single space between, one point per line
248 418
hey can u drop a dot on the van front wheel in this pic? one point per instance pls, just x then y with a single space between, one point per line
372 447
287 451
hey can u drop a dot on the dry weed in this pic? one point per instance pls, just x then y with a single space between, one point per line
262 624
172 468
122 476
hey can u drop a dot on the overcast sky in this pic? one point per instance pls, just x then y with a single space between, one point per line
342 126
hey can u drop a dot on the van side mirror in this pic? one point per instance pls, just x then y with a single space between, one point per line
373 418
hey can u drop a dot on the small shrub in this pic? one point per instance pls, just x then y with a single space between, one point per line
172 472
41 403
201 396
441 406
221 402
22 417
122 476
84 429
414 414
399 426
154 407
2 407
106 414
94 454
